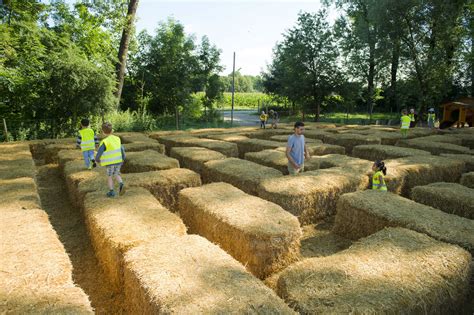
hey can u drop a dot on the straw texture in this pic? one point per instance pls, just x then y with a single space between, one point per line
278 160
195 157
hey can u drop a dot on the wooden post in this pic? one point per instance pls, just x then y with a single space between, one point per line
5 129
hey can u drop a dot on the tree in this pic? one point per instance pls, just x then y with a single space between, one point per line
304 66
123 49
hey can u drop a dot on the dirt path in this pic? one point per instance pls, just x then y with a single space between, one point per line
70 227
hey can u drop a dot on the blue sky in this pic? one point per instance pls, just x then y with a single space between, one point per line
250 28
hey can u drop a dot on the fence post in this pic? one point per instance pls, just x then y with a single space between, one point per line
5 129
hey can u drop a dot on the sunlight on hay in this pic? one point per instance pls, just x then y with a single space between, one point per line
260 234
228 137
18 194
448 197
146 161
142 146
195 157
52 150
393 271
383 152
255 145
349 141
363 213
36 271
242 174
116 225
189 275
277 159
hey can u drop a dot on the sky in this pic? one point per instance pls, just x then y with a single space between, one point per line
250 28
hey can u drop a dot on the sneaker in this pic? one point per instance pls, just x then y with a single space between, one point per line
121 189
89 167
94 164
111 194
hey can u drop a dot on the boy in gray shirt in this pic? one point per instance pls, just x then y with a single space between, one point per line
296 150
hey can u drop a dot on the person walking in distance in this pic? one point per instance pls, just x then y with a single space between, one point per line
296 150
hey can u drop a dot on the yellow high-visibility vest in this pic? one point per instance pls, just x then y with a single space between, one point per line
405 122
263 117
113 151
87 139
412 117
431 116
377 183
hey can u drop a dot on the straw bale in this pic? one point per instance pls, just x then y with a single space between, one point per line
190 275
319 125
243 174
468 159
467 140
405 173
260 234
349 141
13 148
284 138
435 148
164 185
395 271
17 165
383 152
255 145
65 156
313 195
146 161
132 137
208 130
362 213
74 172
468 179
278 160
142 146
442 138
448 197
38 147
195 157
158 134
18 194
229 137
226 148
117 225
36 271
315 134
360 166
51 151
420 132
266 134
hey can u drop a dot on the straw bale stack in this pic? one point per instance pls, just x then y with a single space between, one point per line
284 139
468 179
266 134
144 145
394 271
147 161
260 234
18 194
16 165
255 145
442 138
195 157
51 151
436 148
349 141
65 156
226 148
362 213
119 224
313 195
467 139
351 163
278 160
36 271
133 137
243 174
229 137
448 197
190 275
405 173
468 159
383 152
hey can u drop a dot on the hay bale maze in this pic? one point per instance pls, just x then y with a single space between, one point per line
255 145
19 194
466 158
243 174
436 148
190 275
195 157
227 148
363 213
405 173
448 197
393 271
313 195
51 151
147 161
117 225
284 139
383 152
278 160
349 141
468 179
260 234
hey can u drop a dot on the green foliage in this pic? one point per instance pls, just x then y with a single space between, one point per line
243 83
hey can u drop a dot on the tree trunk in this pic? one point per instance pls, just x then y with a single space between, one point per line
123 49
393 75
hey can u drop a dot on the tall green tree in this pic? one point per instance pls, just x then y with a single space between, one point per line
304 66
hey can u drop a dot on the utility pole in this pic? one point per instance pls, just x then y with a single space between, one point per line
233 90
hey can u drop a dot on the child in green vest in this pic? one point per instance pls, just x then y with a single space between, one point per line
378 180
405 123
111 154
86 141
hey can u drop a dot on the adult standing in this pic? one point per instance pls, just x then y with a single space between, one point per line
275 118
296 150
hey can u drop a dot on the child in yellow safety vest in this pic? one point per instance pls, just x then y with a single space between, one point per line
405 123
263 119
378 180
431 118
111 154
86 141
